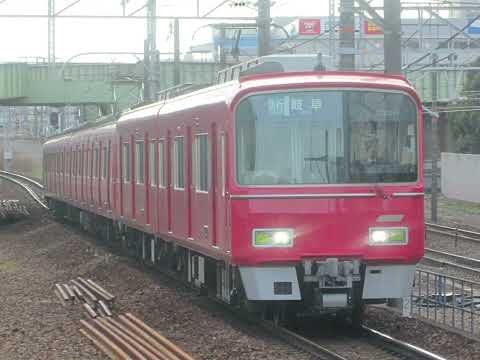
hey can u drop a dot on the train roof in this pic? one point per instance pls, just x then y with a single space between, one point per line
326 78
227 92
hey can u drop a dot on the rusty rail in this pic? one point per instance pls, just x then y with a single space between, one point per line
129 338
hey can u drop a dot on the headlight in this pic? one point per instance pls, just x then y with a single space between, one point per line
273 237
388 236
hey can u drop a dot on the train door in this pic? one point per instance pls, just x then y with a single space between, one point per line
127 193
165 182
139 180
202 186
152 183
221 213
179 197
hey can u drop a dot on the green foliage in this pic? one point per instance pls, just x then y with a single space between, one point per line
466 124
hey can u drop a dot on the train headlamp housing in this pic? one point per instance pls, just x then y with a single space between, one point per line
273 237
388 236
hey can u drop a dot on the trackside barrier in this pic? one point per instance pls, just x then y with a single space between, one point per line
447 300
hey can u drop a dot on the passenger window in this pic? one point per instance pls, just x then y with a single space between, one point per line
161 163
106 161
139 165
201 163
179 175
96 163
222 149
152 169
126 162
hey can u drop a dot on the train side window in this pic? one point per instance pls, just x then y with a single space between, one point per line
96 162
106 161
179 173
201 166
222 149
126 162
152 166
161 163
79 161
139 164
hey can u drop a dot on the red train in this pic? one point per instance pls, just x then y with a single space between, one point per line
294 190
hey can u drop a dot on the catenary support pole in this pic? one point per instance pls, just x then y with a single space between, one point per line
392 37
434 142
263 23
347 35
176 51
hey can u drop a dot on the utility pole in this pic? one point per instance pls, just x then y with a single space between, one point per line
434 142
176 51
222 54
51 38
263 24
151 59
331 31
347 35
392 37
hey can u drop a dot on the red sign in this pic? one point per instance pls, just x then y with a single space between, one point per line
309 27
371 29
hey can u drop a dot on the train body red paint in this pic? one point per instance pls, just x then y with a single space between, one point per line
297 187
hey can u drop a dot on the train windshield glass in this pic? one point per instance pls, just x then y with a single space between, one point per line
326 137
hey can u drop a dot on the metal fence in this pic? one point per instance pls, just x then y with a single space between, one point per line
447 300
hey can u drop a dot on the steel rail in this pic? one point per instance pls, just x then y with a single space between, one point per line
400 347
475 270
22 177
456 232
27 189
130 338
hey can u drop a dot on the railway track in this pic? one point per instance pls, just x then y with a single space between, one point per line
454 232
366 345
463 263
33 188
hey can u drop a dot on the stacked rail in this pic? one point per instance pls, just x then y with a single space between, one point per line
127 337
11 210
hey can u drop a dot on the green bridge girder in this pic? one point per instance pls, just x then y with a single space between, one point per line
120 84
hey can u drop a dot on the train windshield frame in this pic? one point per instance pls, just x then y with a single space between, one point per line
326 137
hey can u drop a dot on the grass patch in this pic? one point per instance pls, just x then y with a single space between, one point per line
9 266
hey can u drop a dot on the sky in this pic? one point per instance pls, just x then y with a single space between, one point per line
20 38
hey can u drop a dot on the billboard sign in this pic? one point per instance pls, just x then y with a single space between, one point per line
309 27
370 28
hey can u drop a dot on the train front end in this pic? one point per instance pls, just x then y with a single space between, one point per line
326 190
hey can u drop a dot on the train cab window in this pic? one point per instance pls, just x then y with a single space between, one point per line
161 163
326 137
126 157
106 161
152 166
139 164
179 173
201 164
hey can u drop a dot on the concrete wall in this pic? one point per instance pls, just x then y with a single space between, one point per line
461 176
27 157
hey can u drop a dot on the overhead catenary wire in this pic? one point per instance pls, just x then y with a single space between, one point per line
441 44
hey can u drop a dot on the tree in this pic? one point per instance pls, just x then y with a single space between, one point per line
466 124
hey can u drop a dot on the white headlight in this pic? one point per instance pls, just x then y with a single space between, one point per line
281 237
388 236
273 237
379 236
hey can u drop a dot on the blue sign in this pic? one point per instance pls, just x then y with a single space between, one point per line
474 28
